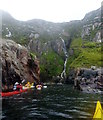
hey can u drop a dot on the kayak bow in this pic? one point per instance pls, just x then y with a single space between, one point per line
98 112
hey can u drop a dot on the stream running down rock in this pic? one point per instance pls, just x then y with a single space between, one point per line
63 74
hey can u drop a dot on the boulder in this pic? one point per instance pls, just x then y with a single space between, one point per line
89 80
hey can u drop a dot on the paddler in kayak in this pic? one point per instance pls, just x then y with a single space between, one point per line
28 85
17 86
39 86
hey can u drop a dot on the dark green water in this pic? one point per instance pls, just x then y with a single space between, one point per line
53 103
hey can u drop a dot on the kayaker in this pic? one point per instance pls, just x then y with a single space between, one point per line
17 86
38 86
28 85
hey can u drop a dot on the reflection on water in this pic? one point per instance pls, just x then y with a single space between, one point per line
53 103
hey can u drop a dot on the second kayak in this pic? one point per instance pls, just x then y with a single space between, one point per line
5 94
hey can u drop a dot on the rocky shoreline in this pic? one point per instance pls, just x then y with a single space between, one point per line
89 80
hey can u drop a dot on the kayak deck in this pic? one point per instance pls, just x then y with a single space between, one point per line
98 112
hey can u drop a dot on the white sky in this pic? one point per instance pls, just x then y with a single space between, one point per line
50 10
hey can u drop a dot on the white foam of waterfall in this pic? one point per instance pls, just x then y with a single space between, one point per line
63 74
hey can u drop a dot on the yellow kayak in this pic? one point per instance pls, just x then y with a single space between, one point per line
98 112
29 85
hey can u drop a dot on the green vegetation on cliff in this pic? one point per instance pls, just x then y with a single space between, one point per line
52 65
84 54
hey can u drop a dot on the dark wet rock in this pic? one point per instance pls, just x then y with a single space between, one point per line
88 80
17 64
71 76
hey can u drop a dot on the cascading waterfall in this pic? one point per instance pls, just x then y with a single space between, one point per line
63 74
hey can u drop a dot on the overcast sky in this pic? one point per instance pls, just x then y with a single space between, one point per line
50 10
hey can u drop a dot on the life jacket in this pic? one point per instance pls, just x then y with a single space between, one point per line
19 86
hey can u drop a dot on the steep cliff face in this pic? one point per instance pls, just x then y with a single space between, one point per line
17 64
43 38
92 26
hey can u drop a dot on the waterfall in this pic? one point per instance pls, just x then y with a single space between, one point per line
63 74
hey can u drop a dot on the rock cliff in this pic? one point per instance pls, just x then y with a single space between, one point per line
92 26
89 80
17 64
82 41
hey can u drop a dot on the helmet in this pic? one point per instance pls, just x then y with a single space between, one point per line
16 83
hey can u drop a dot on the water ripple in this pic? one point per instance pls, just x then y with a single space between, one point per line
52 103
60 114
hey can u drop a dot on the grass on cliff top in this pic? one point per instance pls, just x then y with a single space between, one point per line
85 54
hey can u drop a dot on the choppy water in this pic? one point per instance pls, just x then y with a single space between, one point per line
53 103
